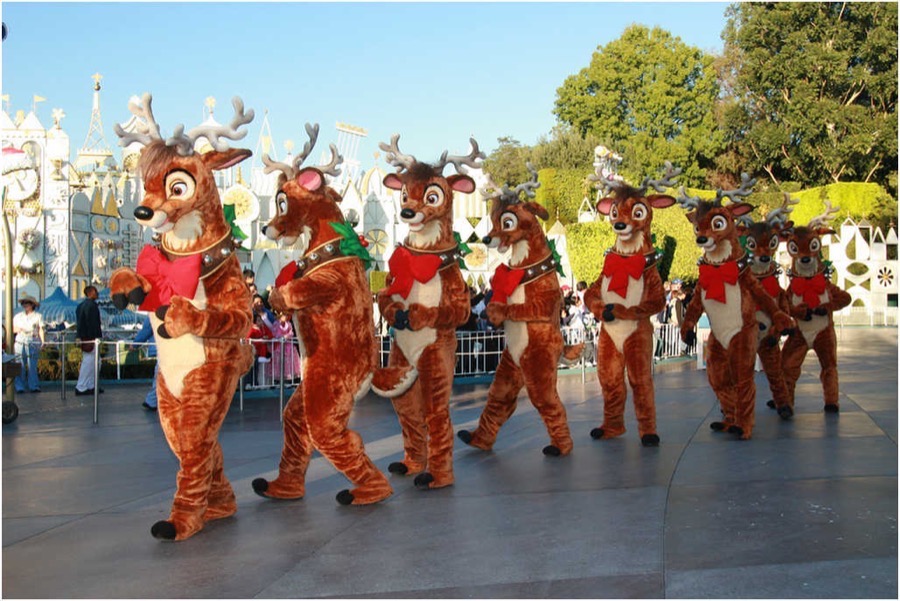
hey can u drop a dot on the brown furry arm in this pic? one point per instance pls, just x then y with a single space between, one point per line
387 306
227 313
780 320
454 307
694 309
839 298
541 304
652 302
318 288
592 298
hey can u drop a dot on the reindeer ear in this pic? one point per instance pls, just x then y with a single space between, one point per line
605 205
742 229
692 216
216 160
461 183
392 181
785 232
660 201
310 178
740 208
537 210
823 231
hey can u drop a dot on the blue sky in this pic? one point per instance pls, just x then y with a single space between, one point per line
434 72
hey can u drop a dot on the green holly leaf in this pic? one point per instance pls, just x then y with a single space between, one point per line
236 231
463 249
350 244
556 257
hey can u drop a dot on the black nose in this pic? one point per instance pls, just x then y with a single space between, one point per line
702 239
263 229
765 259
486 240
143 213
805 259
619 226
407 213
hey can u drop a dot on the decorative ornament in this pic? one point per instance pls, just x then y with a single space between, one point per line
350 242
886 277
29 239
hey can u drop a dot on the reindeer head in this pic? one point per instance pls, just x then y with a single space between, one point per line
304 204
515 223
763 236
181 201
630 210
426 196
714 222
805 243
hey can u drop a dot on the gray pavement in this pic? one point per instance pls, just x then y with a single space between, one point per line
807 509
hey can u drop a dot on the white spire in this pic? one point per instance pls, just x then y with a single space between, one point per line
95 152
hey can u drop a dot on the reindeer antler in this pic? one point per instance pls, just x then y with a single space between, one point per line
779 215
823 219
184 143
290 171
394 156
666 181
688 203
331 168
312 132
740 193
528 187
459 161
145 112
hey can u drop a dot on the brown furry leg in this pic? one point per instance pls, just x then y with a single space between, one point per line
638 354
742 352
436 378
825 346
611 373
792 356
718 368
770 357
539 369
411 414
295 454
222 502
501 402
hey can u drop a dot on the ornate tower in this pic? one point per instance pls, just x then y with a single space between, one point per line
95 152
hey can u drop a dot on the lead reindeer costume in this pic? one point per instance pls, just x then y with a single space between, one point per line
628 292
729 294
425 300
328 293
526 301
191 281
813 301
762 242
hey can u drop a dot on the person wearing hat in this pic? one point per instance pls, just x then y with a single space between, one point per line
28 327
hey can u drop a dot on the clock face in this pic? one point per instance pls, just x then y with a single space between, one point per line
21 184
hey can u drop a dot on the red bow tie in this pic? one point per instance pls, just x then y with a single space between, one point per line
286 274
770 283
619 268
407 268
504 281
167 278
714 277
809 288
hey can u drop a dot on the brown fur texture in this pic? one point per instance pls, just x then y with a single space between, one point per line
333 317
626 335
424 353
199 349
815 320
732 312
530 316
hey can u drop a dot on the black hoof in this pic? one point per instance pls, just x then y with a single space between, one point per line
260 486
163 530
345 497
832 409
597 433
735 430
650 440
423 480
465 436
551 451
136 296
119 301
398 468
162 332
717 426
770 403
785 412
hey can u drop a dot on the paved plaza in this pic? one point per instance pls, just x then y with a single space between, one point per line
806 509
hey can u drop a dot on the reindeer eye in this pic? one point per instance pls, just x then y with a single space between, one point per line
639 212
281 201
614 212
179 185
508 222
773 243
404 195
696 229
792 247
751 244
814 245
719 223
434 196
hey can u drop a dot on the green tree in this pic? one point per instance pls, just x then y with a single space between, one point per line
814 90
506 164
652 98
565 148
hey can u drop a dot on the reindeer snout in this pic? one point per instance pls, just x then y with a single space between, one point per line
701 240
806 259
620 226
765 259
143 213
263 229
486 240
407 213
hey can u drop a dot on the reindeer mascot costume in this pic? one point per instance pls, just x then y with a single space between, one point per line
191 280
526 300
813 300
762 243
730 294
328 293
425 300
627 293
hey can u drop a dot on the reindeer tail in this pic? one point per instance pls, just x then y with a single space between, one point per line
573 352
391 382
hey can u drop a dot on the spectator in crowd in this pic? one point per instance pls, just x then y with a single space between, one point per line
283 330
87 322
260 334
145 334
580 289
249 277
259 308
28 327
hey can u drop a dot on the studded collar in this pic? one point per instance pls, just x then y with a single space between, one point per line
212 256
317 257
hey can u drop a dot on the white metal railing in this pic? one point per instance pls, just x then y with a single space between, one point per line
867 316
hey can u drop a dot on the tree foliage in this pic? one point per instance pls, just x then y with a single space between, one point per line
815 90
651 98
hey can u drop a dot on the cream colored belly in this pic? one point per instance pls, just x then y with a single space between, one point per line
725 319
620 329
810 329
178 356
516 331
414 343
